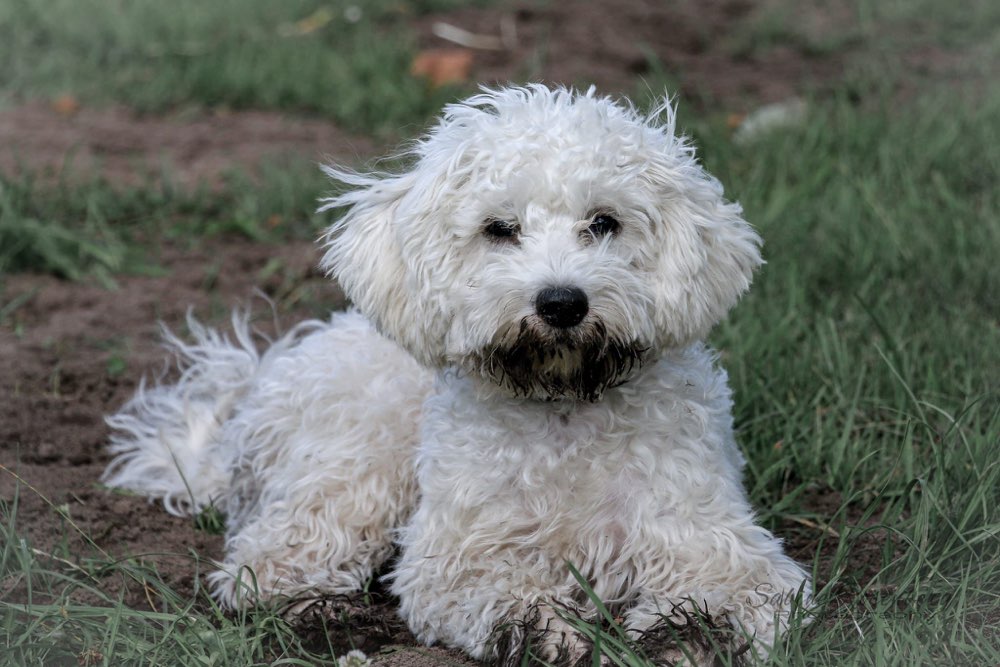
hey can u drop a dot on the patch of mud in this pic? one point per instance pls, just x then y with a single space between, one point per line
192 149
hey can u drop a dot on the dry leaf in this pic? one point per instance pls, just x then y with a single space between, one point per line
66 105
443 66
734 120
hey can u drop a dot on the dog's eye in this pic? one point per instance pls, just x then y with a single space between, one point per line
501 230
603 225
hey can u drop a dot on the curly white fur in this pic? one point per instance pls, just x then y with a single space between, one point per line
515 445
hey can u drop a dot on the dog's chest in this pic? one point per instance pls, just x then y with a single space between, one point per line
585 483
533 477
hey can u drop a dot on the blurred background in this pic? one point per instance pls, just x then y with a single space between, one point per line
157 157
192 97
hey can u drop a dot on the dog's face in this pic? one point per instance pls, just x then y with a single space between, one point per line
550 241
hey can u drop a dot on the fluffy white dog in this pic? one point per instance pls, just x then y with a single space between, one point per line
523 385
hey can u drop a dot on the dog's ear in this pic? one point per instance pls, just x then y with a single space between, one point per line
707 256
706 252
364 252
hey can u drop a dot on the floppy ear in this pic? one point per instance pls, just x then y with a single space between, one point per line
364 253
707 254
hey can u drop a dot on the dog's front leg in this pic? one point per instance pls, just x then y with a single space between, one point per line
727 585
464 585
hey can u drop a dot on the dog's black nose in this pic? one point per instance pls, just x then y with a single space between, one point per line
562 307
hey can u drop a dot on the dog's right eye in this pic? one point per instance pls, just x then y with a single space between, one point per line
501 230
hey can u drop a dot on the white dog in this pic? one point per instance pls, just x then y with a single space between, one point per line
523 385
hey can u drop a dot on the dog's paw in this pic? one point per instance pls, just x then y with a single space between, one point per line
345 614
682 656
556 641
691 638
311 609
543 636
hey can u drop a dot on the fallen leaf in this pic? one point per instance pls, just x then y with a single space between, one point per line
66 105
734 120
443 66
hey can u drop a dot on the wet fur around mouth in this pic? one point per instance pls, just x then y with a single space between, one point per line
533 361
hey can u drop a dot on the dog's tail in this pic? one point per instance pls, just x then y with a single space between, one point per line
166 440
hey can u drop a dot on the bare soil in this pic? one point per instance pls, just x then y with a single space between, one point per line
74 352
700 45
192 148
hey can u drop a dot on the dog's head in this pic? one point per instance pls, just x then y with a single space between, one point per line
548 240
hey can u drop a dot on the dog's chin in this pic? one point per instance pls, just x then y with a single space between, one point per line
539 362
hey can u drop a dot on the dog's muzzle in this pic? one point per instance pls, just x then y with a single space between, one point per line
537 359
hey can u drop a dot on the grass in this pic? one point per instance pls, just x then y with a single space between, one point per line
346 60
53 626
865 361
95 230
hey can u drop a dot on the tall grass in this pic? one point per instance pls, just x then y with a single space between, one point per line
866 363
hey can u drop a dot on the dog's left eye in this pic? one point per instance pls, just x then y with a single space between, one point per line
501 230
603 225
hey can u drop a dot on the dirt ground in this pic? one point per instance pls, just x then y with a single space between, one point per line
611 45
193 148
74 352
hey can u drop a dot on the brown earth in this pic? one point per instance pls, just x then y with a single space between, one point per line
701 46
74 351
71 353
192 148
